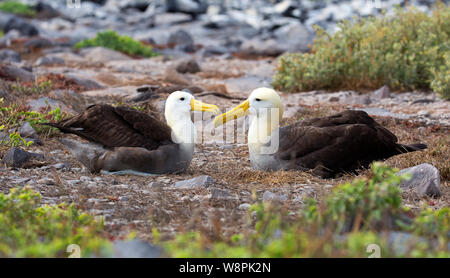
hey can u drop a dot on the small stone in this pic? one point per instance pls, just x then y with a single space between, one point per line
155 184
424 179
423 113
272 197
124 198
49 60
38 42
85 179
73 182
182 40
220 194
212 50
26 130
333 99
14 73
21 180
60 166
298 199
189 66
8 55
244 206
165 180
21 25
294 37
383 92
135 249
91 184
46 181
202 181
103 55
16 157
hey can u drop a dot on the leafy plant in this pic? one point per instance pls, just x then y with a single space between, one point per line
16 7
13 116
29 229
318 230
441 78
362 203
406 51
110 39
15 140
35 88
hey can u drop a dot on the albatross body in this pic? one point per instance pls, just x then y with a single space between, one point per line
123 139
328 146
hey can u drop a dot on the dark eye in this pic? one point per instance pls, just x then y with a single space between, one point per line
257 99
182 98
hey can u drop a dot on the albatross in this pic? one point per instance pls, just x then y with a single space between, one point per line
326 146
124 140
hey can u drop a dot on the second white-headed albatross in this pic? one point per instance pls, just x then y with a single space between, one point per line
125 140
328 146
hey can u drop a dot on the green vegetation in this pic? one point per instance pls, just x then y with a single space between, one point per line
354 216
12 116
363 204
407 51
29 229
35 88
110 39
16 7
441 80
15 140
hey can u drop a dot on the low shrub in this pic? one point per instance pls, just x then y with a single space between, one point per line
29 229
318 229
110 39
441 78
16 7
406 51
13 116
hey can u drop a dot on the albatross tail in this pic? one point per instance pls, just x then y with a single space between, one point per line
412 147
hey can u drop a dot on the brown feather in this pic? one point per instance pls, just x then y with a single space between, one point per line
117 127
341 142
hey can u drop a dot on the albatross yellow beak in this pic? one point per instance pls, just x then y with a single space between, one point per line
237 112
201 106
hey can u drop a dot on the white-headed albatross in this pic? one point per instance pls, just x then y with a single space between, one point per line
125 140
339 143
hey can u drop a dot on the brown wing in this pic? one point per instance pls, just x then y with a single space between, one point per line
117 127
341 142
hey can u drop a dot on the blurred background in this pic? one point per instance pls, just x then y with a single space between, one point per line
263 27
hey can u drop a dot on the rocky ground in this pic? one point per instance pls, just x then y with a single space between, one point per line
224 184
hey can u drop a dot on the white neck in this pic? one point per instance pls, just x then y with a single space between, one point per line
261 131
183 129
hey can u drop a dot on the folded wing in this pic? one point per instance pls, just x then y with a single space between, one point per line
117 127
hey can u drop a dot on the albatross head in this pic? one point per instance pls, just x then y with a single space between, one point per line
179 104
261 102
264 104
